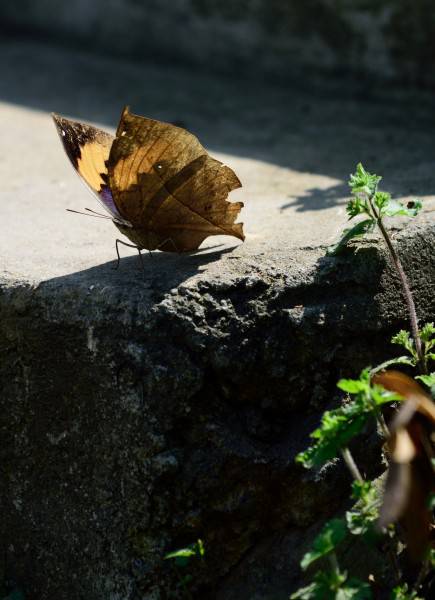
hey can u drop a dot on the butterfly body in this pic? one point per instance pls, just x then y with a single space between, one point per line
157 182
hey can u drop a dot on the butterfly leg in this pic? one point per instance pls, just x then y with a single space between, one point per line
130 246
141 258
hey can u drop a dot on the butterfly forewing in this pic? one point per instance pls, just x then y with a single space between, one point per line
88 149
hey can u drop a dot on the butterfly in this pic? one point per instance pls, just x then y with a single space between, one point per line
158 184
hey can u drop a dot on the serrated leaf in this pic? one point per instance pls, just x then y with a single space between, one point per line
400 360
356 231
364 513
328 539
427 332
402 592
381 396
428 380
352 386
310 592
394 208
403 338
381 200
339 426
333 586
357 206
363 182
329 446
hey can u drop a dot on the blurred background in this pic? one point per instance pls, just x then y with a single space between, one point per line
278 38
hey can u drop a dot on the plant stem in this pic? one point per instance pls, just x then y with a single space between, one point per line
421 576
405 287
391 552
351 464
333 562
382 424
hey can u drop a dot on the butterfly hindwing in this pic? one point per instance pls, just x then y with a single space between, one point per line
167 186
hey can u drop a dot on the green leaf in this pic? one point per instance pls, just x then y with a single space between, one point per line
379 396
403 338
394 208
365 512
428 380
381 200
356 206
333 586
427 332
402 592
310 592
357 230
363 182
352 386
400 360
339 426
184 555
328 539
335 432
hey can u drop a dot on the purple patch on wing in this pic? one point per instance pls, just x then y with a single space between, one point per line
107 198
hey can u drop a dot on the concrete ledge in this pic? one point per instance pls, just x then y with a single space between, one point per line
138 413
137 416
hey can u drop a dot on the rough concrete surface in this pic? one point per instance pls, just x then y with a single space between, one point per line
142 411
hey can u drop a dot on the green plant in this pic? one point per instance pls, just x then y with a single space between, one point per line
375 205
182 558
364 403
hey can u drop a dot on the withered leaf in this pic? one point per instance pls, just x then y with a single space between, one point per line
410 479
160 185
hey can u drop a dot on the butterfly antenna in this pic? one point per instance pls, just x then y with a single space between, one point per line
87 214
97 213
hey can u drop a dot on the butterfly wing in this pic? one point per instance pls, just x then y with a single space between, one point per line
88 149
165 184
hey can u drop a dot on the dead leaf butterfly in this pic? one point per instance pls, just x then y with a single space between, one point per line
159 185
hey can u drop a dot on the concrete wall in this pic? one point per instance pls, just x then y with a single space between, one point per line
390 38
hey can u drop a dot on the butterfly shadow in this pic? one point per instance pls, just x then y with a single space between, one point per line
157 273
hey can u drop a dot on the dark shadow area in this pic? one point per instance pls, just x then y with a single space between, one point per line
162 272
318 199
